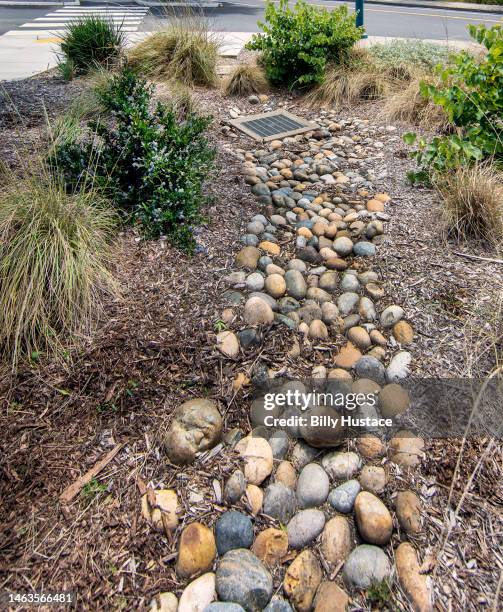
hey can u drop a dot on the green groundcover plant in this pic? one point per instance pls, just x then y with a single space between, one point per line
297 44
150 163
471 94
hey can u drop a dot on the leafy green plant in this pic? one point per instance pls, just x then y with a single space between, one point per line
150 164
380 595
54 264
297 44
88 42
93 489
471 94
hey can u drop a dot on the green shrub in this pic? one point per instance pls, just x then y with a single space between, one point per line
471 94
148 162
89 42
54 256
297 44
186 52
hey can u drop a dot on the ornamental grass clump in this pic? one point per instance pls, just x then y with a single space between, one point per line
89 42
55 255
244 80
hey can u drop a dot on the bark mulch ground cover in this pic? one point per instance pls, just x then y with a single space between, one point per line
155 349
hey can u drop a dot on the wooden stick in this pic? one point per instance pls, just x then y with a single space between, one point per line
72 490
497 261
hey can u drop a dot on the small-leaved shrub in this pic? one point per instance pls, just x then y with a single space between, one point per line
148 162
471 94
89 42
298 44
415 53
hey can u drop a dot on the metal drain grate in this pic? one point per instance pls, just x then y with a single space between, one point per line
272 125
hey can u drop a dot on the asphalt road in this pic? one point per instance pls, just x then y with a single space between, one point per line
242 16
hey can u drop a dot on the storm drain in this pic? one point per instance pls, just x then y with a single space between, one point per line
272 125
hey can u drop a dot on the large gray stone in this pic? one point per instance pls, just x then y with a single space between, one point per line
279 502
366 565
305 527
312 486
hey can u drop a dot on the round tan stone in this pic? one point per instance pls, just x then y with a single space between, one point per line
403 332
286 474
306 232
406 449
336 541
408 511
416 585
336 263
198 594
248 257
271 546
319 229
359 337
255 498
257 312
275 285
318 330
366 386
373 519
196 550
347 356
393 400
340 374
270 247
375 206
274 269
382 197
258 459
228 344
373 478
370 446
377 338
163 515
330 598
164 602
301 581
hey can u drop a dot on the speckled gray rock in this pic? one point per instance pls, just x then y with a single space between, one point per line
233 530
295 284
234 487
341 466
342 498
279 442
364 249
366 565
255 227
391 315
222 606
349 283
347 302
370 367
305 527
302 453
241 578
312 486
255 282
278 604
296 264
279 502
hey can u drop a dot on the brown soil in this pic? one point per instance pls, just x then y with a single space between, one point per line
154 349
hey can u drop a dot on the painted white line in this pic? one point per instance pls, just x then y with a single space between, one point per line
56 24
117 19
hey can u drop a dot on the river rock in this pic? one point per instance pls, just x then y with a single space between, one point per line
403 333
347 357
295 284
343 246
243 579
228 344
336 541
406 449
270 546
198 594
286 474
366 565
312 486
275 285
342 498
255 498
415 584
278 604
248 257
223 606
398 368
280 502
196 427
408 511
393 400
370 446
373 519
233 530
391 315
164 602
370 367
234 487
302 454
359 337
257 455
341 466
329 281
347 303
257 312
302 578
163 516
330 598
196 550
373 478
304 527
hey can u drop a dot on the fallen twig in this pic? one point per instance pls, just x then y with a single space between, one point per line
489 259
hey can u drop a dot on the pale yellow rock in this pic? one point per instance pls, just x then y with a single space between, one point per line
336 541
228 344
257 455
166 503
301 581
164 602
373 519
271 546
196 550
198 594
255 498
270 247
275 285
415 585
286 474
